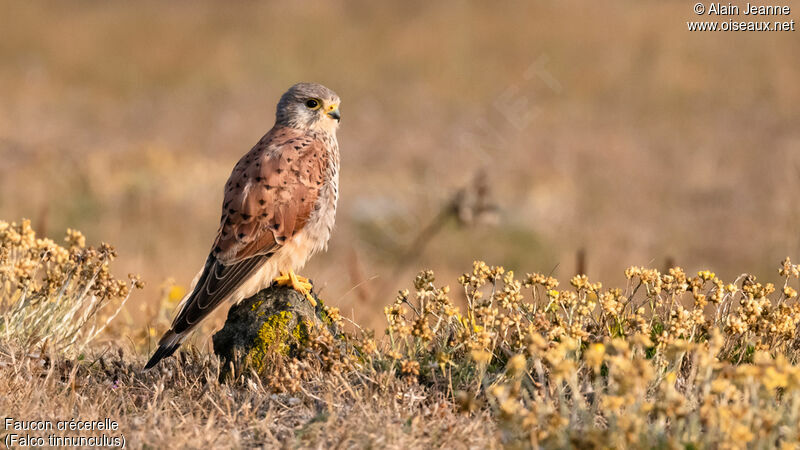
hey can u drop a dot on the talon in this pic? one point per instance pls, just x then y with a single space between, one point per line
298 283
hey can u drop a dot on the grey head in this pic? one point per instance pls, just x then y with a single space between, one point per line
309 106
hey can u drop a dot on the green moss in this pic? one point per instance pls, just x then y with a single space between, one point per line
300 331
275 336
271 338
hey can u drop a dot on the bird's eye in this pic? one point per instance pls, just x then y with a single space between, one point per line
312 103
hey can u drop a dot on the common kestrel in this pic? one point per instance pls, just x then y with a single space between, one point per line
278 210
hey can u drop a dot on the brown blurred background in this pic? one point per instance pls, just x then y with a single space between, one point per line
603 126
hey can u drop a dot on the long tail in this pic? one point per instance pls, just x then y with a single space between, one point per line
166 347
212 287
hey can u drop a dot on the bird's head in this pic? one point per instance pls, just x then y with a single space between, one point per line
309 106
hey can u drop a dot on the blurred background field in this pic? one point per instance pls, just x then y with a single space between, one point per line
603 127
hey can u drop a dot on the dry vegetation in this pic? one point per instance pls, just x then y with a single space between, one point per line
54 294
607 128
670 360
597 126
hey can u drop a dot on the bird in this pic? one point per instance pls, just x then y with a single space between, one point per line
278 209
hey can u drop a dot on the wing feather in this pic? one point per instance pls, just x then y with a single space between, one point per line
213 290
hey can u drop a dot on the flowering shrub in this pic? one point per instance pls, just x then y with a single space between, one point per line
671 358
63 296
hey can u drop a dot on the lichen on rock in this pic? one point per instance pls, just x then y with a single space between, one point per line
271 337
275 321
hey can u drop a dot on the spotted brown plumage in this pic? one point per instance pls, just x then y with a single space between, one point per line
278 209
270 195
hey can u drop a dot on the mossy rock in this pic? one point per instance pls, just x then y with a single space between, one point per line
275 320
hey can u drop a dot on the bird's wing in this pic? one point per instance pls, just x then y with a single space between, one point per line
269 197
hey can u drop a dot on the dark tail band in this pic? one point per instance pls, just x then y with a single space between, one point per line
162 352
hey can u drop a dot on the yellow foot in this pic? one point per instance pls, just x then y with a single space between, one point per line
298 283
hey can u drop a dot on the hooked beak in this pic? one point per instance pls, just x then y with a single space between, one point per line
334 113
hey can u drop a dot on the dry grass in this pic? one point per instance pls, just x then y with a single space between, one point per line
182 405
123 121
669 360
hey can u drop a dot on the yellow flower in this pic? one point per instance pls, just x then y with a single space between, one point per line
706 275
594 356
175 294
